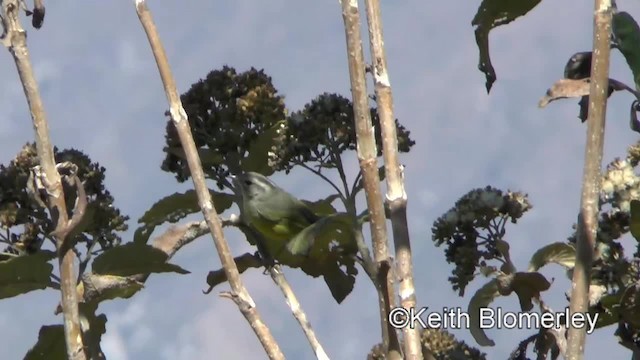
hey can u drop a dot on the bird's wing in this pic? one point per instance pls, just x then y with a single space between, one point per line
289 211
307 213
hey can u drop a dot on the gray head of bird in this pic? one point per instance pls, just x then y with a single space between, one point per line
252 184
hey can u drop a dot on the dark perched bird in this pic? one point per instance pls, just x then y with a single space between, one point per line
577 68
37 15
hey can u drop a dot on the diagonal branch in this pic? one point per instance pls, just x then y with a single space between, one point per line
278 277
15 38
396 198
588 218
239 293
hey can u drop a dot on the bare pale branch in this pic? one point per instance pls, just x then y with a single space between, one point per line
367 156
239 293
588 217
396 199
15 39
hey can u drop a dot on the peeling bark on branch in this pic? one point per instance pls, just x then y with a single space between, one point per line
396 198
239 293
367 156
15 39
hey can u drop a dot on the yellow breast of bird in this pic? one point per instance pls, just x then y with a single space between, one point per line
282 230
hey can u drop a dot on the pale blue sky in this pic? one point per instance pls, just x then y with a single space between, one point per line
103 95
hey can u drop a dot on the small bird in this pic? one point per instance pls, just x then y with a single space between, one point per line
277 215
37 13
579 67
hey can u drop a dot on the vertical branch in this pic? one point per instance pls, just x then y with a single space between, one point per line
367 152
588 218
396 196
15 39
179 117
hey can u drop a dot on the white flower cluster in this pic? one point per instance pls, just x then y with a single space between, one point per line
620 185
485 202
476 199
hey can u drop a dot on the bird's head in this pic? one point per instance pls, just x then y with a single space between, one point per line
253 185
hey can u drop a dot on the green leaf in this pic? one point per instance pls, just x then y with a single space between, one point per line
609 310
558 253
325 248
332 251
50 345
335 229
208 157
133 258
257 158
491 14
323 207
627 35
174 208
340 283
481 299
621 306
634 222
630 306
527 285
243 262
22 274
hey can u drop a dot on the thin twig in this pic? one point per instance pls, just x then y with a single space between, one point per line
239 293
278 277
396 198
588 217
290 297
367 153
15 38
335 154
326 179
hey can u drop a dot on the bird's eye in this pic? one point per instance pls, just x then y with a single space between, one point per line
247 182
